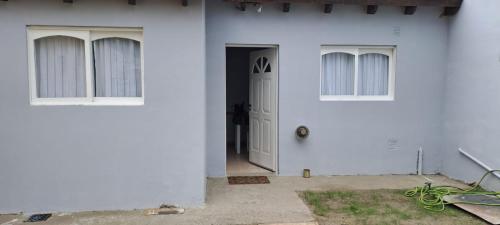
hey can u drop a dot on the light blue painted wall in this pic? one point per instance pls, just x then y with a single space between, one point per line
93 160
73 158
472 100
346 137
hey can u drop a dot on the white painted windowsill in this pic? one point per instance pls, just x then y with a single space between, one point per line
356 98
87 102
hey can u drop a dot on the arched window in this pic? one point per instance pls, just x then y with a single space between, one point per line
338 74
85 66
373 74
117 67
357 73
261 65
60 67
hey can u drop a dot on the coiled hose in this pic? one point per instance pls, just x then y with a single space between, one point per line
431 198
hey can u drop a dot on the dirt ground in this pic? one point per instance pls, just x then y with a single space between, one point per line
379 207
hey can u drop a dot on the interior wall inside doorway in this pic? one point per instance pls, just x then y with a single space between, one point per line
237 84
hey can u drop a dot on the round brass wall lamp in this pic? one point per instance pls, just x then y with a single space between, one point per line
302 132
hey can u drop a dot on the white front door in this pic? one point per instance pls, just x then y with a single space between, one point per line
263 109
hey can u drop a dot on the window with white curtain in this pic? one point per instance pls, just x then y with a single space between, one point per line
117 67
350 73
85 66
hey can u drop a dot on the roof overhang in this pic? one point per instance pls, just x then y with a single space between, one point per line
450 7
130 2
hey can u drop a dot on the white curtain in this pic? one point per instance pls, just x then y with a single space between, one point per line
337 74
117 67
373 74
60 67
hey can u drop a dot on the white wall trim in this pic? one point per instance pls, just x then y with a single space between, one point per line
276 48
230 45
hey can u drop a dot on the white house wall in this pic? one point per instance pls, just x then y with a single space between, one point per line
346 137
472 100
74 158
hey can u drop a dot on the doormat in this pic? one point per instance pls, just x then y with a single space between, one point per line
248 180
38 217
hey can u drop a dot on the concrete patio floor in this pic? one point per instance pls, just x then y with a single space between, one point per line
273 203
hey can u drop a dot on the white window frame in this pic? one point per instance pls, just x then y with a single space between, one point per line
87 34
389 51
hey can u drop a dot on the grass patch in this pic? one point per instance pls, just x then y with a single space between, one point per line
359 209
378 207
317 201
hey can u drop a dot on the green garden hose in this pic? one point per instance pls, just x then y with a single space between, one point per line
431 198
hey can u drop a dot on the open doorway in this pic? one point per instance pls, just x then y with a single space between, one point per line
251 110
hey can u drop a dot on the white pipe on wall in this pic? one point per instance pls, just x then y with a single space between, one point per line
420 161
486 167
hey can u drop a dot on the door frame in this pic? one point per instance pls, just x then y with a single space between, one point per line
276 50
